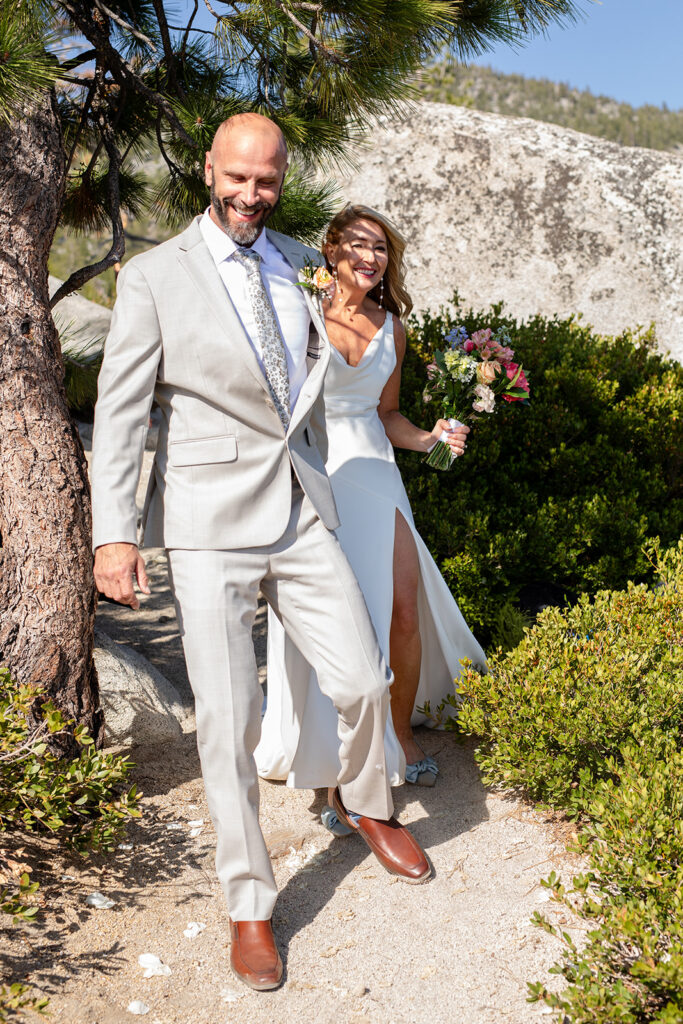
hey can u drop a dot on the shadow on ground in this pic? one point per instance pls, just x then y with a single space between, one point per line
456 805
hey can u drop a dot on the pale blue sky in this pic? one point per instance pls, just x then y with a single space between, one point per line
631 50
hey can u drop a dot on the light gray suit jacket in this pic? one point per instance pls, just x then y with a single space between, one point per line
222 473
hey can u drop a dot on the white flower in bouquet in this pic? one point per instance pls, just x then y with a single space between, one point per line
485 401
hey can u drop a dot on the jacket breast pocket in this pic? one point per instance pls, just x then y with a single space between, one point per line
202 451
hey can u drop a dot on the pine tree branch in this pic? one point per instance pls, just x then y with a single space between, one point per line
81 122
122 71
188 29
217 16
183 47
118 246
173 167
168 48
94 158
122 23
81 80
75 62
317 43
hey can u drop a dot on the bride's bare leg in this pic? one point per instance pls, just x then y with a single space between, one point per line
405 645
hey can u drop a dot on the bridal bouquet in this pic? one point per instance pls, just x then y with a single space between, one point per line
468 377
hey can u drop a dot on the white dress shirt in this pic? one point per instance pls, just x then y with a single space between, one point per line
279 278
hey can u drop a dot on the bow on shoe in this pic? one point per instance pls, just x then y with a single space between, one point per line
422 773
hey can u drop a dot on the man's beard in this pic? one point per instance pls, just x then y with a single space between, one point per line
241 233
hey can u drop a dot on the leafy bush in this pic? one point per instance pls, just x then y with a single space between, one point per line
81 799
16 999
78 798
559 496
587 714
557 710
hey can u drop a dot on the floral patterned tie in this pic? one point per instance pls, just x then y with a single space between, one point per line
272 346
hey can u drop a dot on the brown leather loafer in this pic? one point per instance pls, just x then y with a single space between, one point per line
253 954
392 844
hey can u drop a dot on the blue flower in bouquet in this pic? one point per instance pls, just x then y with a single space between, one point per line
456 337
503 338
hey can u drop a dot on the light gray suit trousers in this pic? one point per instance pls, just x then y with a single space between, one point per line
307 580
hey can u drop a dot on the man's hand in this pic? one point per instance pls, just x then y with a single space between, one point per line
116 566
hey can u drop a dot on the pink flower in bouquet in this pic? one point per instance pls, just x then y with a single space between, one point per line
505 355
469 346
432 370
521 382
482 338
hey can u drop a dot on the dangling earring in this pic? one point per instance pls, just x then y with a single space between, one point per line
381 293
337 290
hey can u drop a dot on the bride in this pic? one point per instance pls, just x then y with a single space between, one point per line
418 624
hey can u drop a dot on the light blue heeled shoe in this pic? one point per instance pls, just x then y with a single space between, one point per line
422 773
330 820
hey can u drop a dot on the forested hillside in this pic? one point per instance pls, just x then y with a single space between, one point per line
483 88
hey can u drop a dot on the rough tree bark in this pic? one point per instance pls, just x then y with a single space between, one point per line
47 598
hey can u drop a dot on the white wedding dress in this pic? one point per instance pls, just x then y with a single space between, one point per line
299 733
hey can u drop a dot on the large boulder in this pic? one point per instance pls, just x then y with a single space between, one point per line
140 705
547 219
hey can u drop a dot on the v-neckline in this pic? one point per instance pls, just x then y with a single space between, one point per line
373 339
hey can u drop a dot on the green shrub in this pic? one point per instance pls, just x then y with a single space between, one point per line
565 491
587 715
556 711
81 799
631 968
16 999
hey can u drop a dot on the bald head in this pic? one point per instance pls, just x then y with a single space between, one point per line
245 169
241 129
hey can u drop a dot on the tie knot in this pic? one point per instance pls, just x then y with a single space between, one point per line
249 258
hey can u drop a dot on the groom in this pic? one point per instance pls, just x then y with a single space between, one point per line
211 325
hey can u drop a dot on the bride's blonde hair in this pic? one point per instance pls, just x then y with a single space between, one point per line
395 298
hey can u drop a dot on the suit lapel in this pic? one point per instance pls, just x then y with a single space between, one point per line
196 259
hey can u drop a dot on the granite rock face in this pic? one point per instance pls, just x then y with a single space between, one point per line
546 219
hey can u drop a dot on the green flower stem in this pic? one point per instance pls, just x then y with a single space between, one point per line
441 456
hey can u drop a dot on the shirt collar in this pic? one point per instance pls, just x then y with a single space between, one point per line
222 247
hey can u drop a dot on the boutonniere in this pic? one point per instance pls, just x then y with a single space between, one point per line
317 280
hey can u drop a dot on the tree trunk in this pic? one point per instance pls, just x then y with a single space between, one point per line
47 598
